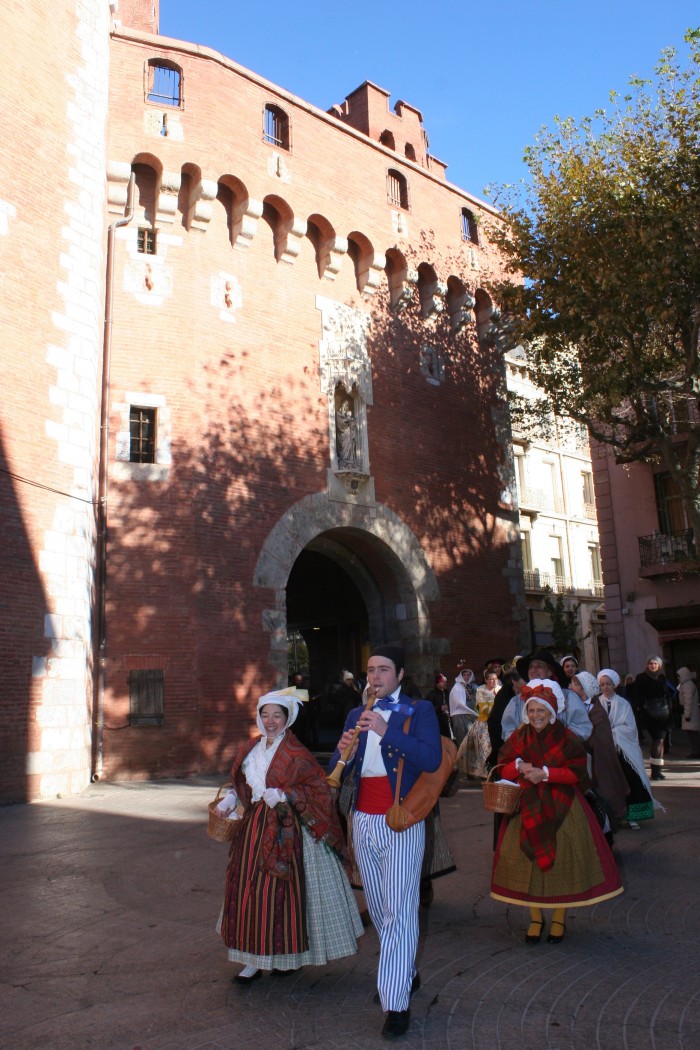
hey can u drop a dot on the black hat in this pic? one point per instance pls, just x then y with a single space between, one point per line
393 652
523 665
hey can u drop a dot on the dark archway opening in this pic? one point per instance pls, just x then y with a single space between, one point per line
326 608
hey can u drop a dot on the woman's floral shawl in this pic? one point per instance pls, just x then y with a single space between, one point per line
295 771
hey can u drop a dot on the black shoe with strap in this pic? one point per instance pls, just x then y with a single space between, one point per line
558 936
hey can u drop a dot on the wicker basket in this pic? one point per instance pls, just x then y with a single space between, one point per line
220 827
500 797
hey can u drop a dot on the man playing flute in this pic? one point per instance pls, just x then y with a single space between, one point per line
390 861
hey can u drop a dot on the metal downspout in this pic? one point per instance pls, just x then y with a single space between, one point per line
100 641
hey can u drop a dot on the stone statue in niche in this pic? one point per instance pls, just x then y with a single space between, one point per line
346 435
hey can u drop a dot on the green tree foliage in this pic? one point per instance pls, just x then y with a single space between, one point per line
564 622
604 240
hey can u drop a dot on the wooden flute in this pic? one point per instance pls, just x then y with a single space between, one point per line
334 779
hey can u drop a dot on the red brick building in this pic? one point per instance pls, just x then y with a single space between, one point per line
307 429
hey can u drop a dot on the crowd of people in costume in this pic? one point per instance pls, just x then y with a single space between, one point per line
565 740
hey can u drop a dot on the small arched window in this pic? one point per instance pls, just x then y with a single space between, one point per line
410 152
276 127
470 229
387 139
397 189
164 83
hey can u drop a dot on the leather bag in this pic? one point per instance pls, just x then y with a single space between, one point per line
425 792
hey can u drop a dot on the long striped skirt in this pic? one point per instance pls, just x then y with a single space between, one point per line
270 922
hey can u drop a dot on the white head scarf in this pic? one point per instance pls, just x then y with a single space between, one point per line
612 675
589 683
290 699
556 690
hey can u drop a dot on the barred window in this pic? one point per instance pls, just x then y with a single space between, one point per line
146 698
276 127
146 242
164 84
470 229
396 189
142 435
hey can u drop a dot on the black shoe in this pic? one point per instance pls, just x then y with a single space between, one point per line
396 1023
240 979
657 776
557 938
415 985
282 973
534 938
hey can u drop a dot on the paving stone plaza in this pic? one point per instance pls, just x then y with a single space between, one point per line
109 903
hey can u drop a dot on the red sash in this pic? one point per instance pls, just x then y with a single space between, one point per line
374 795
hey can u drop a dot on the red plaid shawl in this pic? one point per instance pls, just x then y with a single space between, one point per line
296 772
544 806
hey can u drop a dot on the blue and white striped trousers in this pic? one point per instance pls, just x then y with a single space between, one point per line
390 865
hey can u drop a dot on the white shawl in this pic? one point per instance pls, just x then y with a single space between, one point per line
626 736
256 764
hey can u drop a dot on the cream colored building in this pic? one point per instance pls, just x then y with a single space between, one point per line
558 527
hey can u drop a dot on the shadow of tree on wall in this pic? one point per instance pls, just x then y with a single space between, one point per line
22 600
182 553
459 477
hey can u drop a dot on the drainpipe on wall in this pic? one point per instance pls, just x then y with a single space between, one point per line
100 650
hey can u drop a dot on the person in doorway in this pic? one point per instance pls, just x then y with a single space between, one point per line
389 862
288 901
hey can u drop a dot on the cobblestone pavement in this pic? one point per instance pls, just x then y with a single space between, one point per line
108 910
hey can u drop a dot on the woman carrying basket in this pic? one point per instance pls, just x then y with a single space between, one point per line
288 902
551 854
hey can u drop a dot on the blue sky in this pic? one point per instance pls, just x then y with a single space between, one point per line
486 77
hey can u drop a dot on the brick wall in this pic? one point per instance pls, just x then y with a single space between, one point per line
55 76
249 417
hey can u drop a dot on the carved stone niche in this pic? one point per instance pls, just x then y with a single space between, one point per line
345 375
348 456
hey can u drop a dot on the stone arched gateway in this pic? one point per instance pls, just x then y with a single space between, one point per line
383 558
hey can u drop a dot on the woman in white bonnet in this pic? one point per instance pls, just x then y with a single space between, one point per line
640 801
608 779
551 854
288 902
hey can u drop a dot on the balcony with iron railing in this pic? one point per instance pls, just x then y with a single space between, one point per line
536 580
663 554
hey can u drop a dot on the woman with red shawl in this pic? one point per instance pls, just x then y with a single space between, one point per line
288 902
552 853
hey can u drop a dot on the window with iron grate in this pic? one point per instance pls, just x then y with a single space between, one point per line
276 127
142 435
397 189
147 241
164 86
470 229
